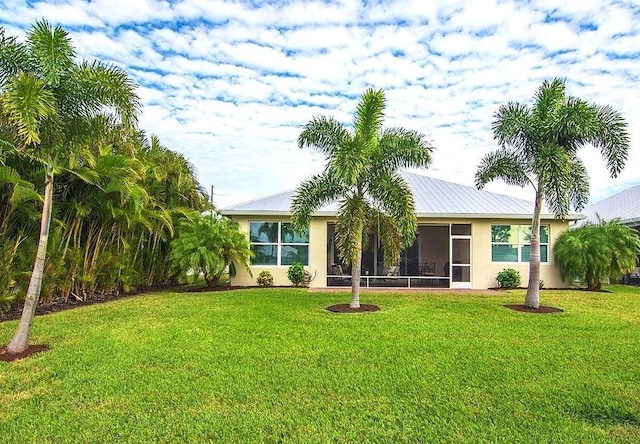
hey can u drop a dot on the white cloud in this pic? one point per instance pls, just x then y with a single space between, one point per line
230 84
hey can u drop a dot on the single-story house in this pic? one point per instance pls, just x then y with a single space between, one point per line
625 206
465 237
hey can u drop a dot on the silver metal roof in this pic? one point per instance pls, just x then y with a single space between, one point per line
433 198
624 205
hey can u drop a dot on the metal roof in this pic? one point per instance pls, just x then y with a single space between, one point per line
433 198
624 205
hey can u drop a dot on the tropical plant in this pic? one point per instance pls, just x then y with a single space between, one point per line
208 245
508 278
362 174
538 148
296 273
53 110
265 279
596 252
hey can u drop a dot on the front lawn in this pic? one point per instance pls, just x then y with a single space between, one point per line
272 365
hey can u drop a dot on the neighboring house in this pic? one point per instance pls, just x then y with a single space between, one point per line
624 206
465 237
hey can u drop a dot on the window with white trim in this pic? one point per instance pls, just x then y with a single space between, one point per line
512 243
276 243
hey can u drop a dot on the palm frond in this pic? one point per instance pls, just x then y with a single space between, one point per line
387 230
28 102
554 168
550 98
14 57
311 195
502 164
579 187
402 148
52 50
350 223
611 136
323 134
98 86
368 119
510 126
391 193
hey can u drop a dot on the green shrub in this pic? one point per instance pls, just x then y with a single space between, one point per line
296 274
508 278
265 279
541 284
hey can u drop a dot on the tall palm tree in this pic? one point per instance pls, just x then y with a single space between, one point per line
50 103
362 174
538 147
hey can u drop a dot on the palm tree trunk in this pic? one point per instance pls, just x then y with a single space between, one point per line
355 277
532 298
20 340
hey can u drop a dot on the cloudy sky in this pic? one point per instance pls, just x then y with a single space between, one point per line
230 83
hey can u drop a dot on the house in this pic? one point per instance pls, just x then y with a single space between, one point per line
625 206
465 237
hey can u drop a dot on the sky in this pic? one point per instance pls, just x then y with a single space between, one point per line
230 84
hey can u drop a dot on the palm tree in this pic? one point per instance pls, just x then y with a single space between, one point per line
50 105
596 252
362 174
208 245
538 147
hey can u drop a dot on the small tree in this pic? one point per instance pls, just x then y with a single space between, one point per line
596 252
207 245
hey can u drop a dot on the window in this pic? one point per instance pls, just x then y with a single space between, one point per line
276 243
511 243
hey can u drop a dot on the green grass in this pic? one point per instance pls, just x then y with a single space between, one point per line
272 365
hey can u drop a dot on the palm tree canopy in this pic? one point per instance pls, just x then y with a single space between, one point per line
361 172
539 144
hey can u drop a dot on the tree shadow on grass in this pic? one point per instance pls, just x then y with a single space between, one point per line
607 415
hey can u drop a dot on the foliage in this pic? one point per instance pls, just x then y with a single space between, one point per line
265 279
539 148
208 245
509 278
296 274
430 361
362 175
595 253
117 195
541 284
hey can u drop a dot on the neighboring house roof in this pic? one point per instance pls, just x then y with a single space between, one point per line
624 205
433 198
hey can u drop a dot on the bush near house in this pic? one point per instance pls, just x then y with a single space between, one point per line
265 279
509 278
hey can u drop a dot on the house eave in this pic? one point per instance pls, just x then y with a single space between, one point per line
276 213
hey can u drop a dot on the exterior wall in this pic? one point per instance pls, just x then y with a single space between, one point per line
317 255
483 270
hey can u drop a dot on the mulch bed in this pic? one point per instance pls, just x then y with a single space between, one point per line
540 309
345 308
32 349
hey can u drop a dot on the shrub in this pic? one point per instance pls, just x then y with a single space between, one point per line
508 278
265 279
296 274
541 284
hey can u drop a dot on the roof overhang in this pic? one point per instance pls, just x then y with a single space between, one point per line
264 213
